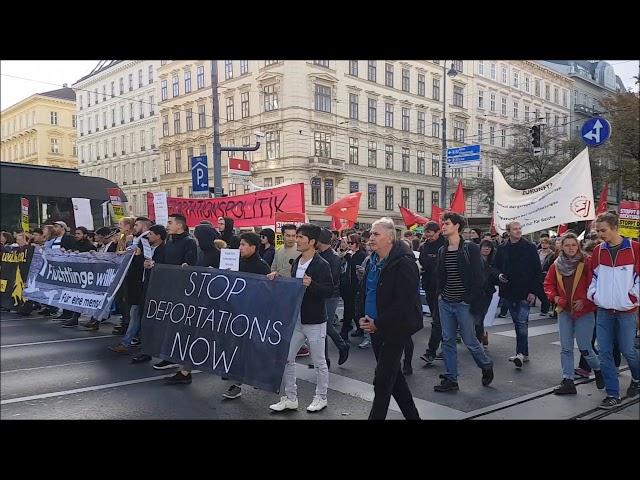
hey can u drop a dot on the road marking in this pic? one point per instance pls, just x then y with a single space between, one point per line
55 341
364 391
48 366
533 331
507 321
87 389
575 344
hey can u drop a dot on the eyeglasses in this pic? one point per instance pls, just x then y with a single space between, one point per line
351 243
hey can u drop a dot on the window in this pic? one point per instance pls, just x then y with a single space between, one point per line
372 196
353 106
404 197
481 99
189 115
435 91
139 78
527 86
388 198
556 95
150 73
152 105
113 147
421 163
323 98
419 201
273 144
503 106
202 118
458 131
388 157
200 76
564 124
132 141
54 118
268 182
547 118
388 115
556 120
328 192
279 180
421 123
564 98
244 67
435 126
371 70
492 102
187 81
372 154
504 75
516 80
228 69
230 110
80 99
203 150
271 98
526 113
458 65
163 90
458 96
481 67
547 92
244 104
189 156
55 148
372 112
246 143
104 93
537 87
321 63
233 189
406 80
353 67
143 140
492 135
97 124
405 120
353 151
503 137
456 173
435 198
74 120
322 144
315 191
165 125
176 85
268 63
167 163
95 94
515 109
421 89
89 130
178 156
406 162
493 71
176 123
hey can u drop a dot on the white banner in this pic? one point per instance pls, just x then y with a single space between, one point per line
564 198
160 206
82 213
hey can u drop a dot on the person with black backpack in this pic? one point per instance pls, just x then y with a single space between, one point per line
460 283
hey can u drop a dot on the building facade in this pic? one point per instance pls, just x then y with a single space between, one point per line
41 130
117 112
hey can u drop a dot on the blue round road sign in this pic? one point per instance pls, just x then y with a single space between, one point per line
595 131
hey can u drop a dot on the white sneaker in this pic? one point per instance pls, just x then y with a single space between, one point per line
526 358
518 360
366 343
285 404
317 404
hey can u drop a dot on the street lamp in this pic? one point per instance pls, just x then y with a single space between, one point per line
443 181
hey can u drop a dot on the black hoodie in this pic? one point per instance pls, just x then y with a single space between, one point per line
254 264
228 236
181 248
208 254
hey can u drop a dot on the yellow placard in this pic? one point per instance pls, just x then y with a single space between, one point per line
3 286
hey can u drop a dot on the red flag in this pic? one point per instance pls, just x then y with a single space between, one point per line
436 214
341 224
457 205
562 229
239 164
346 208
411 218
602 204
492 229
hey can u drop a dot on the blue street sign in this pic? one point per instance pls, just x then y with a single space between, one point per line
595 131
200 174
467 156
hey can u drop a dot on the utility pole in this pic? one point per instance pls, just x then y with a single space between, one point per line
217 148
443 179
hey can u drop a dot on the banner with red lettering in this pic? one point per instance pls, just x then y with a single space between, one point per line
250 210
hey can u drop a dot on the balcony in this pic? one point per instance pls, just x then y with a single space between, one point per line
327 164
584 109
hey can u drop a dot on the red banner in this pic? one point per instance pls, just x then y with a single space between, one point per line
250 210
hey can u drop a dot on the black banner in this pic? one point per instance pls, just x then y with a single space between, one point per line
232 324
13 275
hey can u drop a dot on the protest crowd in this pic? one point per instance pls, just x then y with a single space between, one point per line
590 285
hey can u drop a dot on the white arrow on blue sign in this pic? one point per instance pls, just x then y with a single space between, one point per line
200 174
595 131
468 156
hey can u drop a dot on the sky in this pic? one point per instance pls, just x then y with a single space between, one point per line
52 74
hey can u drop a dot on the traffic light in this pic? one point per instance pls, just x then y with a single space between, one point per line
535 136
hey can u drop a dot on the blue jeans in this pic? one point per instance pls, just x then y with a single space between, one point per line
135 325
454 316
519 311
620 326
581 329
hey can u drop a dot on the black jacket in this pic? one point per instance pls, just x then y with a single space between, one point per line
397 296
228 236
355 260
321 288
471 273
208 254
334 262
158 257
268 255
68 242
181 249
521 264
254 264
85 246
133 281
429 262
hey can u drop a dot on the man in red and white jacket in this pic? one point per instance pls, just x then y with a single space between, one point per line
614 288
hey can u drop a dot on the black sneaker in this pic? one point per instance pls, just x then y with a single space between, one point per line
428 359
487 376
502 316
143 357
344 354
120 330
599 379
163 365
567 387
179 379
439 355
70 323
135 342
609 403
633 389
447 385
234 391
91 325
